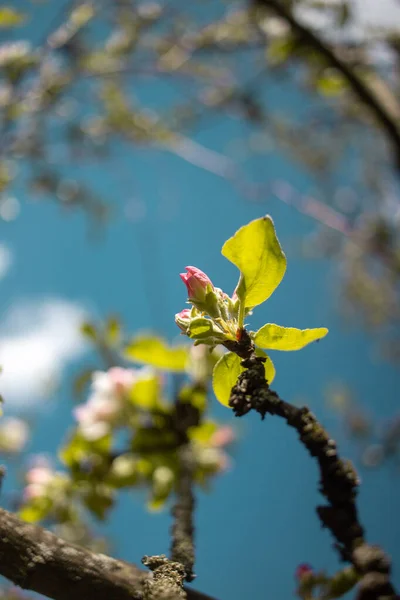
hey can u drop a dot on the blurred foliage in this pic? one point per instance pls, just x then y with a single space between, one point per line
376 439
80 82
127 434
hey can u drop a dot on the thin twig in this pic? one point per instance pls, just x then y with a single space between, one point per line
358 86
182 547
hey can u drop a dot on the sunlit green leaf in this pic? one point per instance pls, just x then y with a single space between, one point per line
123 472
225 375
275 337
36 510
9 17
78 448
268 366
256 251
200 327
203 433
146 392
155 351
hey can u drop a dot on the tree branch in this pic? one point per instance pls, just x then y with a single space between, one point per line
182 548
358 86
38 560
338 479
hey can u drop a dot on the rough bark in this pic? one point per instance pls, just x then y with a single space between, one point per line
36 559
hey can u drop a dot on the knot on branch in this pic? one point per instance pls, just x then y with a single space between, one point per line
167 580
251 391
371 558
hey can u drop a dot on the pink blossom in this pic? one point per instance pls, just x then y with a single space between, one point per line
114 381
182 319
303 570
94 431
197 283
224 462
122 379
33 490
97 410
39 476
82 413
223 436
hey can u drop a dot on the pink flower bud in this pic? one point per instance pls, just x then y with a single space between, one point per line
223 436
197 283
303 570
182 319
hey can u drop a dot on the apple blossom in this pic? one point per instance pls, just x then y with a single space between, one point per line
182 319
197 283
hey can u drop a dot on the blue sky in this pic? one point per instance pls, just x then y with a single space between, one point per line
259 521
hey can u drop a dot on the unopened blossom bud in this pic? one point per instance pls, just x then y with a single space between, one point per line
197 283
303 570
182 319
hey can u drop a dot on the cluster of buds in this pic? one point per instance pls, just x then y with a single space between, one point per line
104 406
213 318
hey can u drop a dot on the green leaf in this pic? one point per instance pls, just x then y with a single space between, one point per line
225 375
146 392
89 331
275 337
99 499
81 381
256 252
78 449
228 369
200 327
330 83
113 330
268 366
155 351
203 433
9 17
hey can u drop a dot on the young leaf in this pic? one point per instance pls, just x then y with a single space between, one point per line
225 375
228 369
155 351
275 337
256 252
268 366
9 17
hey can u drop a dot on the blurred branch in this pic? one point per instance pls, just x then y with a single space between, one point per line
36 559
360 88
